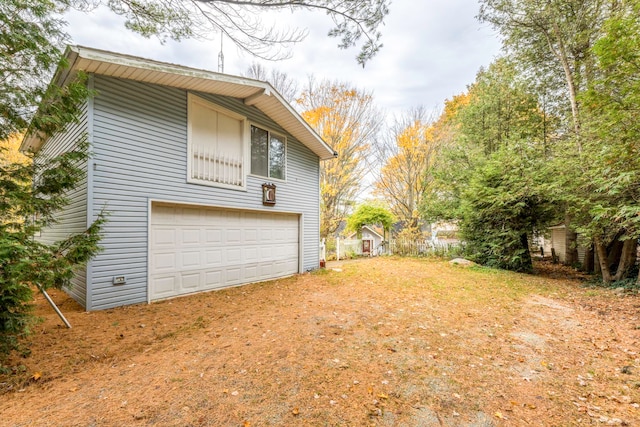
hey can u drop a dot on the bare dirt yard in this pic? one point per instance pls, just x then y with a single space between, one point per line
381 342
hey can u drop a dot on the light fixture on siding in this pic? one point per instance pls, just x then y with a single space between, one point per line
268 194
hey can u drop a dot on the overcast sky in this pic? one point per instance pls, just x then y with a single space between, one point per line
432 51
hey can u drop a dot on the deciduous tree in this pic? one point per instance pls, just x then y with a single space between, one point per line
370 213
551 40
348 121
10 149
356 22
406 155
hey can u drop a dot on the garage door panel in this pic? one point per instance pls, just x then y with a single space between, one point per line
232 218
292 264
253 217
212 279
164 286
266 235
292 234
266 270
191 236
195 249
190 259
288 252
251 255
213 236
266 253
233 256
188 215
164 261
251 236
214 257
164 214
190 282
233 275
213 216
282 251
233 235
163 236
251 273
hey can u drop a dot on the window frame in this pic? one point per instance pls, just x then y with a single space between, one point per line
244 125
281 136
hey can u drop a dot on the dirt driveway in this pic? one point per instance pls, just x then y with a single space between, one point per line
382 342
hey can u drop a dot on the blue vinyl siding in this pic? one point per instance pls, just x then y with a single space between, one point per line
140 153
73 218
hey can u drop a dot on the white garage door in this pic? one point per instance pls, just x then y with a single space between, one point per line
193 249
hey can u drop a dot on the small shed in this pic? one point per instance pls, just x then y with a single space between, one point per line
372 239
559 243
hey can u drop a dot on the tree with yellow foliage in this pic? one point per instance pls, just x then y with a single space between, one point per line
406 156
347 120
10 151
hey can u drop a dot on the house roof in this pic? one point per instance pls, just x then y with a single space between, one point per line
371 229
255 93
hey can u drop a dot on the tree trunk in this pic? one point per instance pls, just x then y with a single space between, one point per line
561 54
627 259
527 263
571 243
587 265
601 250
614 252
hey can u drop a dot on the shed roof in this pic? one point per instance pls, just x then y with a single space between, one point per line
372 229
252 92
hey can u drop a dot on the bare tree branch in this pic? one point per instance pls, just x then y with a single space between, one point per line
356 22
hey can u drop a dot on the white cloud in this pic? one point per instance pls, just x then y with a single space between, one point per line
432 50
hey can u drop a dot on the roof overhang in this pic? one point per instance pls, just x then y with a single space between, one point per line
258 94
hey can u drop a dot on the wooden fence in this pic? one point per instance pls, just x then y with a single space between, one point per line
351 248
406 247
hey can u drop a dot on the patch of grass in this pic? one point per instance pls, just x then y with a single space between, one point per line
201 323
321 272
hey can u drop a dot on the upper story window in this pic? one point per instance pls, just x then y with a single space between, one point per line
215 135
268 153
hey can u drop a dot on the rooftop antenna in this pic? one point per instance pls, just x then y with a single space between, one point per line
221 55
